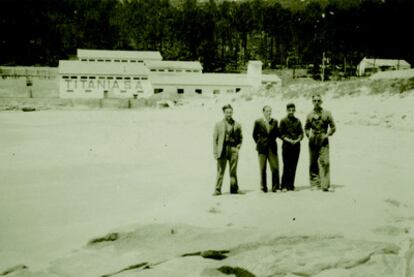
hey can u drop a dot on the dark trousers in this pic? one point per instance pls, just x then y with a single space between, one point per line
319 163
230 154
274 167
290 155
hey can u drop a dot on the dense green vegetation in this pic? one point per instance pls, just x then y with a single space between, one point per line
223 35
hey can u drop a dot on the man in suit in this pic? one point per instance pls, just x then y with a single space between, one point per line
227 140
291 133
265 132
318 127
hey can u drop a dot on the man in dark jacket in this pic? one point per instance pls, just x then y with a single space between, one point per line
291 133
265 132
227 140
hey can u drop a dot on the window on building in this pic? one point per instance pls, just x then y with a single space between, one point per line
65 77
195 70
119 78
84 77
127 78
88 90
158 90
101 77
230 90
69 90
92 77
188 70
140 61
123 91
133 61
74 77
110 78
161 70
124 61
179 70
135 78
180 90
117 61
216 91
238 90
91 60
107 61
100 60
144 78
153 70
170 70
198 91
84 60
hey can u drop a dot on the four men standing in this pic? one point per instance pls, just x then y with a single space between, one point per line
227 140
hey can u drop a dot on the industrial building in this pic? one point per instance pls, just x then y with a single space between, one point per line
135 74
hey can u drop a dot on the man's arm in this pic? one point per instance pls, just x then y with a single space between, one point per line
240 136
283 133
332 126
300 131
255 131
307 126
215 141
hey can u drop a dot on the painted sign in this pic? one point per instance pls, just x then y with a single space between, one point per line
105 84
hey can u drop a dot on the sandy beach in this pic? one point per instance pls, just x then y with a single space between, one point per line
69 176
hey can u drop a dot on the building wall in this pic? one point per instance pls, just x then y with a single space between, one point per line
190 90
92 86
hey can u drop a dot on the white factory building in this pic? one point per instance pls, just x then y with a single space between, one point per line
136 74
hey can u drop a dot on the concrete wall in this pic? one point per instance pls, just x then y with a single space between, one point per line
40 88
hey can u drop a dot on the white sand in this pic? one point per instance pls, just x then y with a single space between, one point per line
69 176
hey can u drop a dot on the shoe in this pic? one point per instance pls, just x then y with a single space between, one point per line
216 193
264 190
327 190
284 190
234 192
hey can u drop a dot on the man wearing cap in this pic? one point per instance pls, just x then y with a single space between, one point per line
318 127
265 133
227 140
291 133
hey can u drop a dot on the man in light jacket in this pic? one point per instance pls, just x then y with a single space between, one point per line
227 140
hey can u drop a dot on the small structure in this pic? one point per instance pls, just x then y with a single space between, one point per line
370 66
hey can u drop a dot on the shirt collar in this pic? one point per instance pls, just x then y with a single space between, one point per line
318 110
268 121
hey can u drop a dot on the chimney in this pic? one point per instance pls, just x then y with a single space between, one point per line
254 74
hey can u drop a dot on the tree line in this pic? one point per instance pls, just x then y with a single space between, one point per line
222 35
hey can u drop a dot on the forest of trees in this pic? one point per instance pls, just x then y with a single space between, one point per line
222 35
